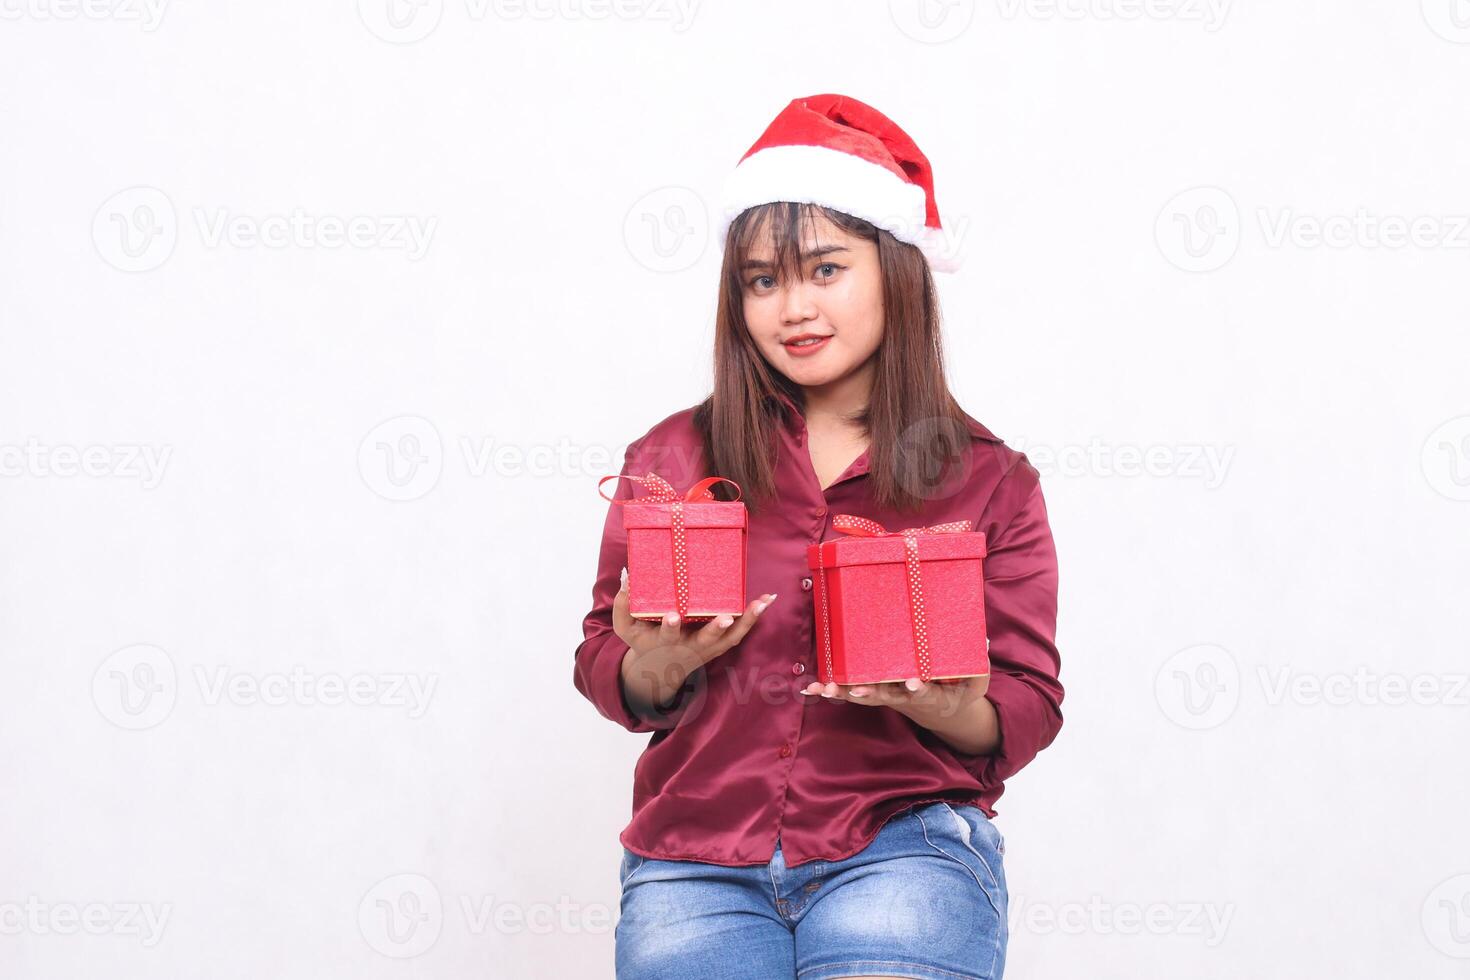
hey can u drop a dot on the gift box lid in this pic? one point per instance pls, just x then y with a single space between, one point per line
697 513
890 548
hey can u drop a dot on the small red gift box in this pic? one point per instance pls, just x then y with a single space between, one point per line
891 605
686 554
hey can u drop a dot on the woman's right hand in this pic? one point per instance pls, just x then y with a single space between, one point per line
662 654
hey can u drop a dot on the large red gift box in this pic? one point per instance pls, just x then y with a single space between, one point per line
686 553
890 605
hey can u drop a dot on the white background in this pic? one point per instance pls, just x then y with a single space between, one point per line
1262 771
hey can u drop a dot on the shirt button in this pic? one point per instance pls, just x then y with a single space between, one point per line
785 751
806 585
798 668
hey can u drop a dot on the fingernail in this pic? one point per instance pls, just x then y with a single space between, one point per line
911 684
724 621
672 619
859 692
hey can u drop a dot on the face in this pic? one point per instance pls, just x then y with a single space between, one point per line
837 296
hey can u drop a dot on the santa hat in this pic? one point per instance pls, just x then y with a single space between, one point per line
835 151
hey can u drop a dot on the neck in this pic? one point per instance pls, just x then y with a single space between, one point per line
833 403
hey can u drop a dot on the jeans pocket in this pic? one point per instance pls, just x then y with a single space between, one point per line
631 863
981 826
972 840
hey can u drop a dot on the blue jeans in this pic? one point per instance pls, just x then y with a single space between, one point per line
925 899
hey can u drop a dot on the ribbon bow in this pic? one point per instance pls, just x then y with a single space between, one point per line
661 491
861 527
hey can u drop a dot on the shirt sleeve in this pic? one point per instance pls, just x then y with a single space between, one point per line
1021 622
598 668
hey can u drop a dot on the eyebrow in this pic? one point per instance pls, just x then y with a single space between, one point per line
817 253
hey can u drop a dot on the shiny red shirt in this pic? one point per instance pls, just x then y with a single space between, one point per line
743 758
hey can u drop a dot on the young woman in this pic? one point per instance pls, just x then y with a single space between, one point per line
781 828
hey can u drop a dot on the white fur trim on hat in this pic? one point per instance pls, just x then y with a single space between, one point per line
831 178
836 180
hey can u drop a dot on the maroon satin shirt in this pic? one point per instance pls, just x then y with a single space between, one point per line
744 758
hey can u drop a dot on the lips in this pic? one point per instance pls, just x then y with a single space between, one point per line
795 348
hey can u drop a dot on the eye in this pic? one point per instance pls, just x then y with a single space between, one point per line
832 266
756 282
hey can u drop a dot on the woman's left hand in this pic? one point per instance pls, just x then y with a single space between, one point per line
912 697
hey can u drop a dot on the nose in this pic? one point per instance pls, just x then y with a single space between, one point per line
796 304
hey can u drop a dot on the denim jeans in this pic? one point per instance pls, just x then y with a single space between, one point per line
925 899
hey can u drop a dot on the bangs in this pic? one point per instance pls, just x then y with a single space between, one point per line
782 226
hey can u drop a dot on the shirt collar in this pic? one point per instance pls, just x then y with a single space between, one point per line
795 422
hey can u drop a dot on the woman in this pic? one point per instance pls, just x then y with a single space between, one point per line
781 828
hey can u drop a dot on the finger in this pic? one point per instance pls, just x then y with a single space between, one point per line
889 693
670 631
622 619
840 692
747 619
714 630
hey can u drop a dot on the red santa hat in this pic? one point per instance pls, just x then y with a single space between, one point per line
835 151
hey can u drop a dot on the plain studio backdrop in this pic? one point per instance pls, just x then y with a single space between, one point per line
321 321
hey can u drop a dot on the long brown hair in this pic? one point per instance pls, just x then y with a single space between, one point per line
916 430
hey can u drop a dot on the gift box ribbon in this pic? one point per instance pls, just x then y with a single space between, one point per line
861 527
661 491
